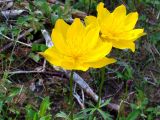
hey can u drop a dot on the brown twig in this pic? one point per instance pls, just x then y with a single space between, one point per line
25 33
20 36
28 45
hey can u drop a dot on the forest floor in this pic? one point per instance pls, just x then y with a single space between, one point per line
30 88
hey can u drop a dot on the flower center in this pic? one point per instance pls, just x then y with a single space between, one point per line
75 58
101 36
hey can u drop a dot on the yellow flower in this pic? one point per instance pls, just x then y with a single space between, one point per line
77 47
117 27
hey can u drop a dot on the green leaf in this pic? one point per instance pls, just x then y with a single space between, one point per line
54 19
155 37
39 47
1 105
14 92
48 117
105 103
105 115
80 116
34 56
35 116
62 115
133 115
44 6
87 110
94 118
44 106
30 113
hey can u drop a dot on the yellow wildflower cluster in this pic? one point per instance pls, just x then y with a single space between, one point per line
79 47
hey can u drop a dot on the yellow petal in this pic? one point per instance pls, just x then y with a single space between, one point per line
124 36
101 63
52 55
101 50
102 12
107 24
74 66
75 36
91 38
130 21
59 42
82 67
90 19
59 35
124 45
67 65
131 35
61 27
119 15
119 11
137 33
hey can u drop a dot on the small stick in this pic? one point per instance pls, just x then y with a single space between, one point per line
20 36
9 5
47 38
25 72
79 100
154 78
25 33
28 45
2 1
11 13
147 80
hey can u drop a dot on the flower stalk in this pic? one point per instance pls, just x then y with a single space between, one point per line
71 94
101 85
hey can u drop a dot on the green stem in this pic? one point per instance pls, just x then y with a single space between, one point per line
90 3
67 7
101 85
71 94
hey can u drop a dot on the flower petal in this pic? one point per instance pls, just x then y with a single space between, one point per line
91 37
52 55
59 42
71 66
124 45
107 24
120 11
59 35
102 12
101 63
101 50
62 27
90 19
136 33
75 36
118 18
131 21
131 35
